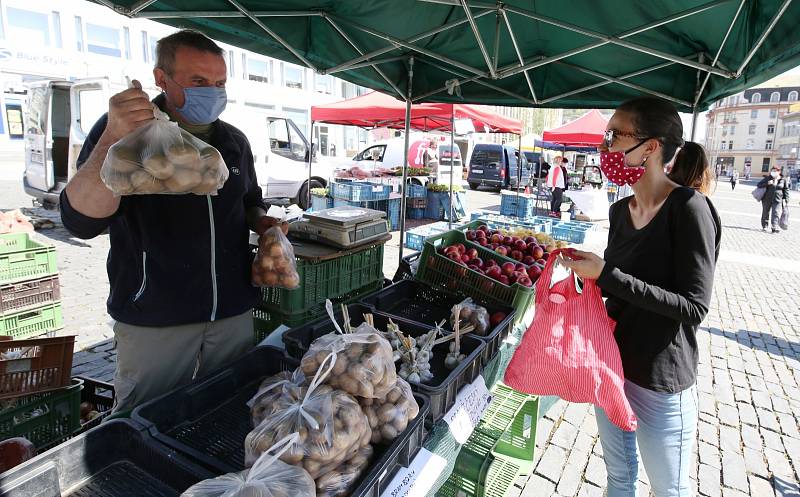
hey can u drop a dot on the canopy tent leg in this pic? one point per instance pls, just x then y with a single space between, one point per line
694 124
519 167
452 159
310 159
406 131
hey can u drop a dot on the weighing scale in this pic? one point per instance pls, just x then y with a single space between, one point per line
342 227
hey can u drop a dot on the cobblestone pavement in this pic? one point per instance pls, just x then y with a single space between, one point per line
748 383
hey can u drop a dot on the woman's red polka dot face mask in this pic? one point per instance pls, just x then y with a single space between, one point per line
613 166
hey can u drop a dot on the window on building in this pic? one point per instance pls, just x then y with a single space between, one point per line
754 114
733 129
756 98
259 70
126 40
56 29
145 47
323 83
792 96
153 43
730 145
751 130
293 76
244 66
749 144
765 165
103 40
33 27
773 113
768 145
230 61
2 29
775 97
770 129
79 33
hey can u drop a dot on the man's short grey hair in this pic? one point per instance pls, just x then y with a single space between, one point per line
167 46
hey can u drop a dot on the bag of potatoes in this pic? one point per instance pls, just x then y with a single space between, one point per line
389 415
160 157
269 477
275 265
364 362
330 424
339 482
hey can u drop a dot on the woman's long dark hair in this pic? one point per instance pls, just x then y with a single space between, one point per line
657 118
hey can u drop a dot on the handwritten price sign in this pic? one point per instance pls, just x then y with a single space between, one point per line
418 479
464 416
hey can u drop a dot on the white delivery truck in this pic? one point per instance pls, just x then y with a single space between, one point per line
60 114
424 151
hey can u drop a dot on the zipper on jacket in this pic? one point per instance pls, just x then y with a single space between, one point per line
213 259
144 277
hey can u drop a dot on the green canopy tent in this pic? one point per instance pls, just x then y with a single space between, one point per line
580 54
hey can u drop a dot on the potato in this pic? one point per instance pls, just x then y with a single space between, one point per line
119 183
159 167
291 280
144 182
388 432
210 184
124 160
183 180
212 160
186 156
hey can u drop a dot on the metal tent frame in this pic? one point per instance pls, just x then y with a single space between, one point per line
413 51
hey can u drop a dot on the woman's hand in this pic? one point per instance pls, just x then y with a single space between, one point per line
585 264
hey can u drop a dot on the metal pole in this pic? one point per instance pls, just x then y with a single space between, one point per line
405 156
310 156
452 159
519 168
694 123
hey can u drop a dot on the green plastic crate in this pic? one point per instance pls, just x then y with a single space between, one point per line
438 271
32 322
46 419
22 258
266 320
320 280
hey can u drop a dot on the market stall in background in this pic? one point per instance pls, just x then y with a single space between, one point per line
400 390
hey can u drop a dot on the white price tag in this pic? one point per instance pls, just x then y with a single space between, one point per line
418 479
471 401
377 189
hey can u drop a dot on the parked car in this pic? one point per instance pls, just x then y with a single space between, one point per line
496 166
389 154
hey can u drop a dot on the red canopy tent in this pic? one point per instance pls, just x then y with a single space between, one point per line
586 130
377 110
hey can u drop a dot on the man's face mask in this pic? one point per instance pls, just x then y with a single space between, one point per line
202 104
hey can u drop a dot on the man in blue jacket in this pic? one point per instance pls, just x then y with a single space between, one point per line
179 265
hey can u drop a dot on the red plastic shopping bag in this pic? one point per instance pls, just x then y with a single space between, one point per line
569 349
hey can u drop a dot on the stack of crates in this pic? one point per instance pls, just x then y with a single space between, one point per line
29 290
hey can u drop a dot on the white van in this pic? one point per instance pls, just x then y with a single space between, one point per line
389 154
60 114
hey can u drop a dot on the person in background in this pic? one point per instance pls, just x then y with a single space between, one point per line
557 179
179 265
734 179
657 274
775 198
747 169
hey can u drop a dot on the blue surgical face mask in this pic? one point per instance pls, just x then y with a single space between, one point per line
202 104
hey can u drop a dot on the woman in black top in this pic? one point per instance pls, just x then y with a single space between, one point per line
775 198
657 274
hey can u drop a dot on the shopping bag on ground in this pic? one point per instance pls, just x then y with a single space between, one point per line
569 350
784 220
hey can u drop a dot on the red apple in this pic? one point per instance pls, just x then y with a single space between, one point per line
480 234
525 281
494 272
483 228
497 238
530 239
470 234
512 278
501 250
546 255
520 245
520 267
490 263
534 271
508 241
472 253
482 242
503 279
465 258
541 262
537 253
516 255
477 261
528 260
452 249
461 248
497 318
508 268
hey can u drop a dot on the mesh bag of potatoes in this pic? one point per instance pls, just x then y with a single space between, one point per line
268 477
160 157
330 424
389 416
275 265
338 482
364 362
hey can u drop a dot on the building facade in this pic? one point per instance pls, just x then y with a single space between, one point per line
745 131
41 39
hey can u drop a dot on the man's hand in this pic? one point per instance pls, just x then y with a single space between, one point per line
585 264
127 111
264 223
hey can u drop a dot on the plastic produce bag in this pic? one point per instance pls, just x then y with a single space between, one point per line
364 362
340 481
160 157
275 265
330 424
269 477
389 416
271 389
474 318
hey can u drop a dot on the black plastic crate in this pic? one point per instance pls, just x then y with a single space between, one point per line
99 393
445 385
417 302
113 460
404 271
208 421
